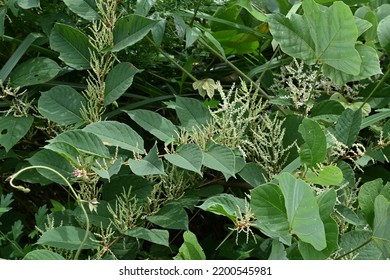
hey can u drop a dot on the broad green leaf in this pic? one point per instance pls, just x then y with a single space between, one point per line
118 80
83 141
247 5
151 164
253 174
190 249
357 244
348 174
113 133
43 255
327 176
154 123
157 236
370 120
348 126
34 71
61 104
367 195
220 158
326 202
334 33
384 33
83 8
170 216
224 204
28 4
192 113
107 169
293 36
130 29
192 34
158 31
214 42
53 160
68 238
381 234
267 203
72 44
187 156
143 7
67 151
313 151
278 252
302 211
12 129
362 25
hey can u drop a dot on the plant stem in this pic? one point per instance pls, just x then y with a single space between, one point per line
78 199
355 249
376 87
195 12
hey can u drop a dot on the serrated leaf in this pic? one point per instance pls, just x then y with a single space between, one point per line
170 216
43 255
190 249
118 80
313 151
302 211
53 160
62 105
68 238
83 141
12 129
220 158
192 113
154 123
151 164
83 8
327 176
348 126
187 156
267 203
72 44
157 236
34 71
130 29
224 204
113 133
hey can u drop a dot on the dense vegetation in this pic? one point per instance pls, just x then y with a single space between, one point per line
242 129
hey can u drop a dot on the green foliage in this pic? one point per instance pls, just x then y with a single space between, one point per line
153 129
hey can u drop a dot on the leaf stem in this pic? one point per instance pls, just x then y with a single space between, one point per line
78 199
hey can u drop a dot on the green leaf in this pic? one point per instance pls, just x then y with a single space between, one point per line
253 174
334 33
358 243
53 160
154 123
370 120
118 80
187 156
327 176
12 129
348 126
68 238
220 158
302 211
62 105
34 71
143 7
247 5
107 169
83 8
83 141
224 204
190 249
278 252
326 202
267 203
151 164
367 195
113 133
28 4
131 29
192 113
43 255
313 151
384 33
157 236
72 44
170 216
67 151
3 12
381 234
